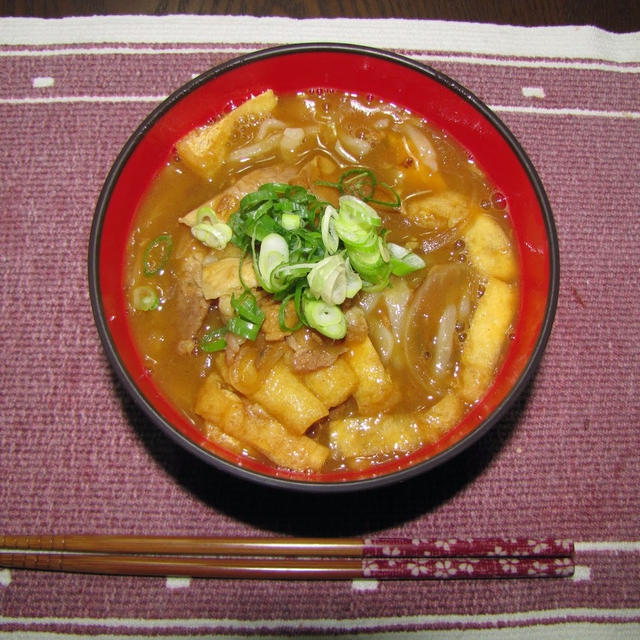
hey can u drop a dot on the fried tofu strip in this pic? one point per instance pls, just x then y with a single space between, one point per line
204 149
285 397
332 385
438 211
389 434
489 249
486 337
226 202
248 423
441 417
376 391
215 434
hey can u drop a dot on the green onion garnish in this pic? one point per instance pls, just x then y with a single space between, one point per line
243 328
156 254
144 298
357 223
327 319
305 250
246 307
281 314
206 214
213 340
328 229
362 183
209 230
214 236
403 261
332 279
290 221
274 251
246 323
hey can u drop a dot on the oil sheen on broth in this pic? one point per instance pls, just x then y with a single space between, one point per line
418 352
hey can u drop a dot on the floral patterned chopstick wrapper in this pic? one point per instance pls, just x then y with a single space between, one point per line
446 558
467 568
460 547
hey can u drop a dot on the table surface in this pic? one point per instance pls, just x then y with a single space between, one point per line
77 456
613 15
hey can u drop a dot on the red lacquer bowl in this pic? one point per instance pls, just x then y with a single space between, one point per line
346 68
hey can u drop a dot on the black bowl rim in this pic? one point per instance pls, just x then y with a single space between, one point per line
318 486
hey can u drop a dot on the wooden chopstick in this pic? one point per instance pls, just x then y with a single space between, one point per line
272 558
392 547
293 568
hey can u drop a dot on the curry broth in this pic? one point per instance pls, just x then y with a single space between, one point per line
392 156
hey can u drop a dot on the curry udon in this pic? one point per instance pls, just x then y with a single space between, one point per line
321 281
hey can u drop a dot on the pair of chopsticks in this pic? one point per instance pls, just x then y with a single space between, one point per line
292 558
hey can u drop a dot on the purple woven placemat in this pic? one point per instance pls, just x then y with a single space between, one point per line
77 456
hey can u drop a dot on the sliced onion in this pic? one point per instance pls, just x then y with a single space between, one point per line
396 299
368 301
425 149
343 153
428 329
444 340
260 148
268 126
383 340
292 138
357 147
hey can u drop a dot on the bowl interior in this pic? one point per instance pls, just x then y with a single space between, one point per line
445 105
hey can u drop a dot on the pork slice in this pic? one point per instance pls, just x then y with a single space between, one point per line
311 351
190 304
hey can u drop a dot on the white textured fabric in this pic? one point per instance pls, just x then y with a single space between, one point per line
576 42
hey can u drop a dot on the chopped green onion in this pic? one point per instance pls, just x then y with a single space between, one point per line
304 250
327 319
354 235
383 247
384 203
262 225
144 298
356 223
243 328
370 266
213 340
156 254
246 323
301 289
354 281
282 321
206 214
290 221
246 306
268 191
328 228
215 236
274 252
374 287
329 280
358 212
362 183
403 261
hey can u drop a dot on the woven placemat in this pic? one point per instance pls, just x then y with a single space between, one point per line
77 456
